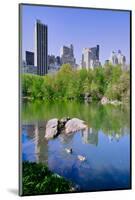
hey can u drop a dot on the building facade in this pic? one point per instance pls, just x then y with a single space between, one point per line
58 60
41 48
106 62
54 63
121 58
29 69
117 58
29 57
67 55
90 57
51 61
113 58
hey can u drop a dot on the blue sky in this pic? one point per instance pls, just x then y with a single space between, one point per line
81 27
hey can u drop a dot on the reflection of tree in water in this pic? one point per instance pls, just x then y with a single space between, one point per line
90 135
107 118
112 121
36 131
112 135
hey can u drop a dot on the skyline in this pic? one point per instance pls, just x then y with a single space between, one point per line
102 29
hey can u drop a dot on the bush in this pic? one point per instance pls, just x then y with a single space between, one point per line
38 179
69 84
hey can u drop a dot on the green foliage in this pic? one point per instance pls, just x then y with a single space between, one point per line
108 118
119 87
70 84
38 179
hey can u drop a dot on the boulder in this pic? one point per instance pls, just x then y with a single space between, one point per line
104 100
65 125
74 125
64 120
51 129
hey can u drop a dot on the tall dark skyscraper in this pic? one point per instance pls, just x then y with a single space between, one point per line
29 57
41 48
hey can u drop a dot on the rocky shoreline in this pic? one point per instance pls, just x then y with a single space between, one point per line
105 101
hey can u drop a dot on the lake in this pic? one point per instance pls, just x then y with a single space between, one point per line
105 143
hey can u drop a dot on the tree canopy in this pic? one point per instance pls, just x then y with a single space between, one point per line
68 83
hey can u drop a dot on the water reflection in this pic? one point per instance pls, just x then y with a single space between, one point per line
105 144
36 132
41 145
90 136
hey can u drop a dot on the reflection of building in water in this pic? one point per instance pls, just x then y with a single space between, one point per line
110 137
41 145
66 139
36 131
126 130
90 136
30 130
116 136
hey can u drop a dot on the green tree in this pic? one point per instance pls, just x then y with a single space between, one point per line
68 83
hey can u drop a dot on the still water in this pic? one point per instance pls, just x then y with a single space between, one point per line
105 143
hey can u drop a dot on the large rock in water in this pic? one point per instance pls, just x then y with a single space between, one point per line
51 128
74 125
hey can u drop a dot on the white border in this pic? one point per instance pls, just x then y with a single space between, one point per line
9 97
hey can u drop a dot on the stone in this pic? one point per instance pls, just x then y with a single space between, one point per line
54 127
104 100
51 129
64 120
74 125
116 102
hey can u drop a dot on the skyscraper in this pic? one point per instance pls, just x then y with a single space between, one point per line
117 58
113 58
41 48
28 64
51 61
29 57
121 58
90 57
67 55
58 60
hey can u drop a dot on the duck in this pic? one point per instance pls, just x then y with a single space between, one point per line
68 150
81 158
